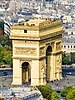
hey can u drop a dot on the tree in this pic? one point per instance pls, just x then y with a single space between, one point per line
5 51
73 57
54 96
4 40
48 93
45 90
66 59
1 54
7 57
71 95
65 91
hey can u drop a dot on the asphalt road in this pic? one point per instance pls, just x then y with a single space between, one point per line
68 80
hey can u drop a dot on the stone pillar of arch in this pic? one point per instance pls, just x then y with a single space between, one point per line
35 73
17 72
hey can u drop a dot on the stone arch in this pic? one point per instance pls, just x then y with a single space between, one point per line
26 72
48 61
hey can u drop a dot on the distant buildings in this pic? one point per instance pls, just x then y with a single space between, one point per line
17 11
4 27
7 27
69 41
15 5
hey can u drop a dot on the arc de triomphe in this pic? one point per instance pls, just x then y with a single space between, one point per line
37 55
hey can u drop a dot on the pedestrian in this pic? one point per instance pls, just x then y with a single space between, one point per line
68 82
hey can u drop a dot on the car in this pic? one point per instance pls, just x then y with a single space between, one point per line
69 73
4 73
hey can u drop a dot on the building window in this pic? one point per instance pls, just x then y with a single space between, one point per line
68 46
71 46
74 46
25 31
71 33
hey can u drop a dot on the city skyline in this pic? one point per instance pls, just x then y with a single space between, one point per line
30 57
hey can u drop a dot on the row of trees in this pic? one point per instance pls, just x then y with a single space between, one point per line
68 93
5 51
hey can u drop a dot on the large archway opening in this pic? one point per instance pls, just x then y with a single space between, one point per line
48 60
26 73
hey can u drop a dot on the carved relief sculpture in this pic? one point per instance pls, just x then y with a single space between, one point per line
25 51
58 46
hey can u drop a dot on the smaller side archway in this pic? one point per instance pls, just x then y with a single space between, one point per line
26 72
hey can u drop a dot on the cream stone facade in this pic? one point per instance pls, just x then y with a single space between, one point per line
37 55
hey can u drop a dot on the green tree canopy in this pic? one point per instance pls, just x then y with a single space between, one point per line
54 96
71 95
5 51
73 57
66 59
48 93
4 40
65 91
45 90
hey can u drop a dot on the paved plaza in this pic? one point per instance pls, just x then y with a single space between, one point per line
26 92
66 81
6 80
20 93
